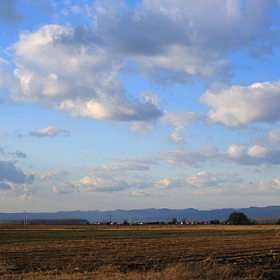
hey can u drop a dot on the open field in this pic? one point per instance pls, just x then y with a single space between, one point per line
155 252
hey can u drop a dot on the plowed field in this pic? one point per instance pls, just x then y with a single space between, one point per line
139 251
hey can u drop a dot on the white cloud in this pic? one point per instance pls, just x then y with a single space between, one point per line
76 69
130 164
49 131
265 187
202 180
170 183
51 176
140 193
239 106
239 154
271 186
175 138
114 177
94 184
64 68
142 128
253 155
64 188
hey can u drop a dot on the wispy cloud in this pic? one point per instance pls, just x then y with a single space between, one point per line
50 131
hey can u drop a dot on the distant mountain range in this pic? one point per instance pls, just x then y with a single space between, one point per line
149 215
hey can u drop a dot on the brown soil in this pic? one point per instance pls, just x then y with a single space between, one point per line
257 253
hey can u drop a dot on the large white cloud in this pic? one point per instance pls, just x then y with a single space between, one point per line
241 105
64 68
76 69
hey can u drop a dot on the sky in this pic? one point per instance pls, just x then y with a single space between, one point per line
112 104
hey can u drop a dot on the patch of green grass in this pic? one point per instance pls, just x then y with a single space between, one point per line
42 235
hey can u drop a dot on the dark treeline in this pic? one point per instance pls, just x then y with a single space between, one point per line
235 218
47 222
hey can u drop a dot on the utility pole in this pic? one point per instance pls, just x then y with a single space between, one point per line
130 217
24 219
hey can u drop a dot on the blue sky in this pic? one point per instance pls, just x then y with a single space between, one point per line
112 104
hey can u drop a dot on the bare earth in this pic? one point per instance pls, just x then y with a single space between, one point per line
250 256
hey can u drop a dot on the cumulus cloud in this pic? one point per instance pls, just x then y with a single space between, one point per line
64 188
89 184
239 106
239 154
202 180
66 69
140 193
207 179
265 187
9 13
271 186
49 131
77 68
253 155
52 175
170 183
142 127
111 177
175 138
